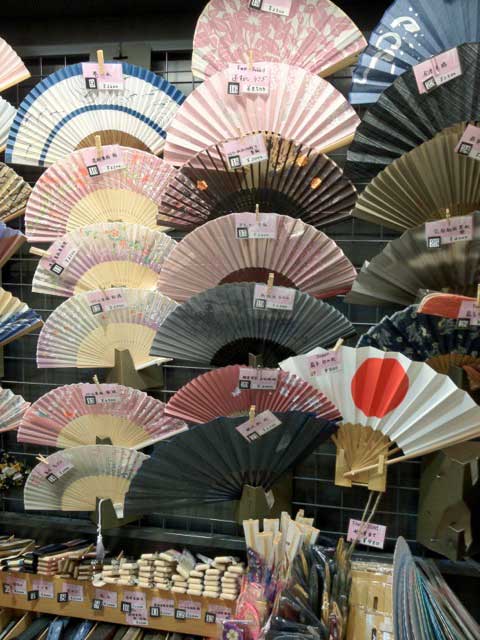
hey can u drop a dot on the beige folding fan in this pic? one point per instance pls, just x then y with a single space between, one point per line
12 69
14 194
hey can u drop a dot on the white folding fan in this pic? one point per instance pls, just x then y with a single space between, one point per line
86 330
300 107
12 410
12 69
66 197
14 194
60 115
7 114
16 318
74 479
299 256
102 256
83 414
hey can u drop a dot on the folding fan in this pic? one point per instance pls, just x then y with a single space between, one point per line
81 414
102 256
424 184
406 265
402 118
59 115
294 181
65 197
213 461
73 479
86 330
12 69
317 36
218 393
12 408
300 257
221 326
300 107
7 114
14 194
425 338
16 318
10 241
445 305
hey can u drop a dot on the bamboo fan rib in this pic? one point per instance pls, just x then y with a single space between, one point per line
102 256
86 330
86 414
7 114
213 461
300 107
75 478
294 181
12 69
317 36
12 410
218 393
10 241
59 115
300 257
66 197
16 318
14 194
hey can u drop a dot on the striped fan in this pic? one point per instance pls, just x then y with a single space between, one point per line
14 194
403 118
407 265
219 393
12 409
316 35
7 114
212 462
59 115
221 326
300 107
16 318
300 257
12 69
10 241
75 478
86 330
82 414
102 256
65 197
294 181
424 338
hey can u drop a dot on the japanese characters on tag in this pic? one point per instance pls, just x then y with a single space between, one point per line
373 535
261 424
250 226
74 591
102 301
469 143
166 606
448 230
55 469
61 257
192 608
110 159
137 619
468 314
242 152
44 588
109 598
278 7
110 80
281 298
329 362
94 394
136 599
252 378
245 79
438 70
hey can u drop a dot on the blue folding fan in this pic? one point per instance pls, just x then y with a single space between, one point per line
10 241
16 318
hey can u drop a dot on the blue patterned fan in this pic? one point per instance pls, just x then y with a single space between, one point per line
10 241
409 32
16 318
425 338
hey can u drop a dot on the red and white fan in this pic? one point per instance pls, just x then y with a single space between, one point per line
313 34
83 414
66 197
232 391
300 106
12 69
299 256
12 409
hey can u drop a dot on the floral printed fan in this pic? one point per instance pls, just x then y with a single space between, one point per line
16 318
294 181
220 393
14 194
83 414
300 107
316 35
59 115
299 257
12 69
12 409
102 256
86 330
10 241
66 197
7 114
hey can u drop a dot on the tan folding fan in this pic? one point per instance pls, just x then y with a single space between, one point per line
14 194
12 69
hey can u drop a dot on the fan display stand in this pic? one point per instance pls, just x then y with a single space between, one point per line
124 372
108 517
256 504
375 479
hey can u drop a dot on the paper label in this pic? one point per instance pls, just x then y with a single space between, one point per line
468 314
192 609
61 258
55 469
45 589
101 301
75 591
166 606
329 362
105 394
242 79
111 159
17 586
469 143
136 599
262 424
280 298
110 80
438 70
137 619
247 227
220 612
108 598
448 230
252 378
373 534
278 7
245 151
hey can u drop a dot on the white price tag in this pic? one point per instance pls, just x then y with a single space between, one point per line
262 424
136 599
102 301
280 298
243 79
192 608
438 70
253 378
373 535
61 258
55 469
278 7
45 588
249 226
330 362
75 591
448 231
245 151
137 619
468 314
110 80
106 394
111 159
166 606
469 143
108 598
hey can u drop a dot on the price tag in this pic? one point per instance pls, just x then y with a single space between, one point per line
33 595
180 614
62 597
106 394
278 7
242 152
60 259
247 227
137 619
220 612
155 612
373 535
193 609
252 378
55 469
468 314
330 362
280 298
210 618
97 604
137 600
448 230
243 79
112 159
18 586
103 301
108 598
74 591
262 424
110 80
44 588
438 70
469 143
166 606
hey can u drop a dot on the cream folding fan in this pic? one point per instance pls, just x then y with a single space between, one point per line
14 194
299 106
12 69
317 36
60 115
83 414
12 410
299 257
102 256
86 330
7 114
388 404
75 479
16 318
66 197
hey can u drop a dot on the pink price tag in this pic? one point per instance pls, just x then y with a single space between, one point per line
373 535
252 378
262 424
280 298
193 609
166 606
75 591
448 230
18 586
102 301
278 7
469 143
137 619
254 80
220 612
330 362
468 314
105 394
111 159
61 257
245 151
137 600
438 70
45 589
108 598
110 80
248 228
55 469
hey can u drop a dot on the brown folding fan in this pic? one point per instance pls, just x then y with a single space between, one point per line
14 194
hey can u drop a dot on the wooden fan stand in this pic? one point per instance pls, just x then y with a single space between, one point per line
255 503
124 372
110 520
375 479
